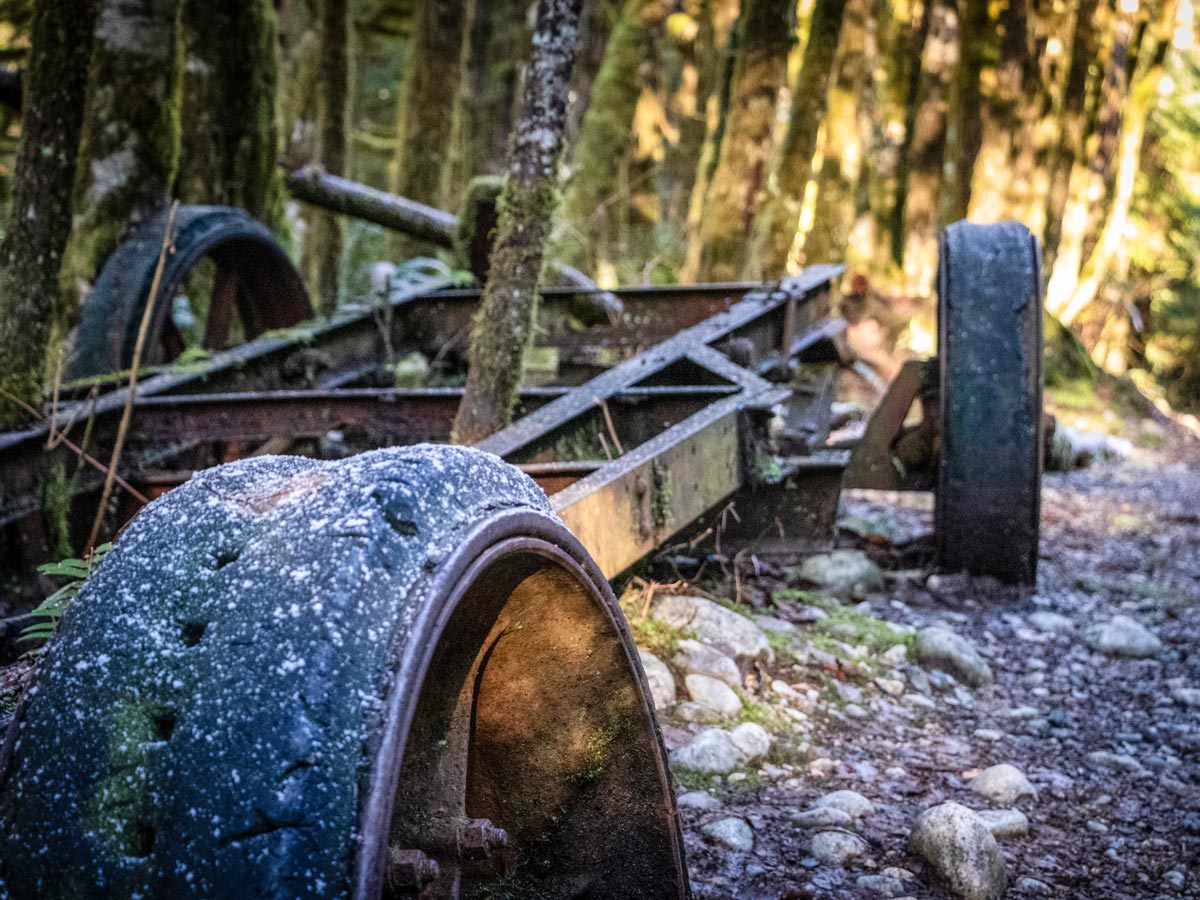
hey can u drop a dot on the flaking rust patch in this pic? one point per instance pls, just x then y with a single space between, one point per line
266 497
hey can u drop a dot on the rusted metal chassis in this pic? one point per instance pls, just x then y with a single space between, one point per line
682 392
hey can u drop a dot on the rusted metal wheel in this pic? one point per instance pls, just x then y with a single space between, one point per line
378 677
990 356
254 285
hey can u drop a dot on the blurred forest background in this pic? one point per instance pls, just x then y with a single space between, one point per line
709 140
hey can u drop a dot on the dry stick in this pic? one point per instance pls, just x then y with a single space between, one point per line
127 412
608 420
75 448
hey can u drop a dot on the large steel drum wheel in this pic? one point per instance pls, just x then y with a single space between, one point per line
380 677
990 355
255 288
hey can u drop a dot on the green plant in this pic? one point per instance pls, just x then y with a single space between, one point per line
50 611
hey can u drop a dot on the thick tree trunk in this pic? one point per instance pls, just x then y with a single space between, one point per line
779 219
1142 95
1088 190
920 222
499 52
324 250
606 137
1072 136
739 180
504 325
909 56
432 75
39 218
129 152
844 146
964 123
231 138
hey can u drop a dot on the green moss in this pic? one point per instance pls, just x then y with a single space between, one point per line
657 638
660 501
476 225
57 492
848 625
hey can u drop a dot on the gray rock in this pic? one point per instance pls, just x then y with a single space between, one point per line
821 817
851 803
1051 622
1028 885
836 848
696 658
1185 696
1106 759
697 713
710 751
960 848
751 740
713 693
1005 823
941 648
1121 636
843 573
660 679
772 623
887 885
712 624
1004 784
698 800
732 833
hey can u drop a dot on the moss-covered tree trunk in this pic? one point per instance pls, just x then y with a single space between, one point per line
129 152
739 180
1090 181
606 137
425 117
777 222
333 116
39 218
964 121
919 225
230 133
844 146
1072 136
490 100
1143 93
504 325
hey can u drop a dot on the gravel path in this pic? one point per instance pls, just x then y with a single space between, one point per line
1112 745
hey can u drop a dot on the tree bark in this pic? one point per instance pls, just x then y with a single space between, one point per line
964 121
606 136
39 219
739 180
920 212
491 100
432 75
230 82
779 219
504 325
910 76
129 152
333 117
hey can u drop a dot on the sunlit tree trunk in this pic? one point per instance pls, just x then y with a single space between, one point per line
1072 136
129 152
845 142
920 211
230 134
39 218
910 48
607 136
739 178
504 325
964 123
779 219
1088 189
1142 95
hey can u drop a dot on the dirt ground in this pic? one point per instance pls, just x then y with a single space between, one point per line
1118 538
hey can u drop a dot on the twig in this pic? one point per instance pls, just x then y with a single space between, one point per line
127 412
76 449
608 421
58 374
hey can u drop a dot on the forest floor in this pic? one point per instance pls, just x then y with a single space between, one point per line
1111 745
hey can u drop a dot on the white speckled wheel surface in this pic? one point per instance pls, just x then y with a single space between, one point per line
304 679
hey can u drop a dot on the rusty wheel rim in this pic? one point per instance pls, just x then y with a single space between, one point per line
488 771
